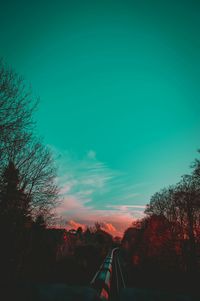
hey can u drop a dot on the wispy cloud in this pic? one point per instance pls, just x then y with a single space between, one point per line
126 207
91 191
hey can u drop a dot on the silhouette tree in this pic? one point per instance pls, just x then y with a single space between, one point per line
14 204
79 233
40 222
97 226
180 205
188 199
14 219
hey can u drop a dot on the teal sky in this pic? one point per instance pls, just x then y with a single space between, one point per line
119 95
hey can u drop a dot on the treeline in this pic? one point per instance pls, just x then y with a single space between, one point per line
82 255
167 240
28 190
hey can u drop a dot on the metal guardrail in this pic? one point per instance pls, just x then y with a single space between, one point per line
103 278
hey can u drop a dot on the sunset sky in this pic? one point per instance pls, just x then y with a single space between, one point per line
118 83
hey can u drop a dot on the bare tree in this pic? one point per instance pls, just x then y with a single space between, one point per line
16 108
181 206
19 145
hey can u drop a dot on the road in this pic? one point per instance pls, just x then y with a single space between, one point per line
117 280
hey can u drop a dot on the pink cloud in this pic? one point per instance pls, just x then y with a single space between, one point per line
115 221
115 218
74 225
108 227
69 203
